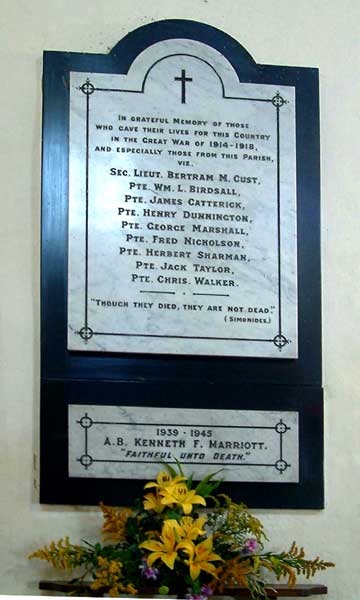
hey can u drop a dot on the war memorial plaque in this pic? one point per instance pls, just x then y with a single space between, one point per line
109 441
182 209
181 298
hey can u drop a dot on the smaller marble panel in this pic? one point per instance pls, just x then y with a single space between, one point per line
130 442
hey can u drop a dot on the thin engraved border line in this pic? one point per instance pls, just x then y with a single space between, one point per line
186 337
268 100
87 161
278 185
126 423
190 56
99 460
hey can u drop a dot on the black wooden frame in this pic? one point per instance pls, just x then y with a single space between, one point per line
244 383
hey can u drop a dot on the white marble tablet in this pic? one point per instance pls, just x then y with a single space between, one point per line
132 442
182 209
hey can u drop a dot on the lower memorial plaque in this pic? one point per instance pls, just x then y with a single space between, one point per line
130 442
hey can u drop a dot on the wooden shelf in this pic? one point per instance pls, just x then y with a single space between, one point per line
277 591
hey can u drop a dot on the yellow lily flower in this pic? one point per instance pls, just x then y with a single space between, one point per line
165 548
190 529
179 494
200 557
153 502
164 480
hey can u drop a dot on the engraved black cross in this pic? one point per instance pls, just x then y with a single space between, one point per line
183 80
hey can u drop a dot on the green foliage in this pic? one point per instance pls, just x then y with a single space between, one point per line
207 485
292 563
232 524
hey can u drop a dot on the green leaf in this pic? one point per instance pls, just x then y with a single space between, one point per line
206 486
196 586
190 481
132 526
179 467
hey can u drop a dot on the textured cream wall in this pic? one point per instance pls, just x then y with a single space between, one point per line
316 33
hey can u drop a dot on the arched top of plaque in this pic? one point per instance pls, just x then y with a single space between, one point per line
135 42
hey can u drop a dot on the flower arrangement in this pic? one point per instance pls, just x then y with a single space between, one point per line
165 545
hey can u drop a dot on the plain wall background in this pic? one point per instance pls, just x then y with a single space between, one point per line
323 34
